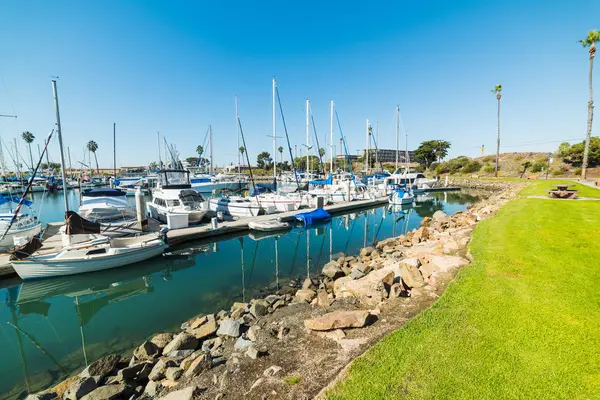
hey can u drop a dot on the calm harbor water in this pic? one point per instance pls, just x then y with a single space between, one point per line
51 328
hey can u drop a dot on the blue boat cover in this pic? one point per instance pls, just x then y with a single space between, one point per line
323 181
314 217
4 200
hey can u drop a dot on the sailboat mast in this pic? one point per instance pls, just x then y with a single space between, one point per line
331 138
307 135
367 150
237 127
2 159
274 132
115 150
159 157
211 148
397 132
376 137
70 167
60 144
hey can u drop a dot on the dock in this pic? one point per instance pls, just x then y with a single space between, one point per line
52 239
442 189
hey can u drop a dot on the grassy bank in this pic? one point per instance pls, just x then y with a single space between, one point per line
523 321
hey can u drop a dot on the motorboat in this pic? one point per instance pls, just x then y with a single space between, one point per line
401 196
416 180
269 226
238 206
97 253
174 195
285 201
104 204
24 227
205 183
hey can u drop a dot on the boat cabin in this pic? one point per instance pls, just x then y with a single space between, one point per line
174 179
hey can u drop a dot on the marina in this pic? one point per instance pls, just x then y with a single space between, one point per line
77 319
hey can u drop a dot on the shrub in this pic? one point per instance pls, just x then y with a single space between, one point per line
489 169
292 380
577 171
488 159
518 157
539 166
471 166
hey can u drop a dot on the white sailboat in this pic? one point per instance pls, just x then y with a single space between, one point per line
85 252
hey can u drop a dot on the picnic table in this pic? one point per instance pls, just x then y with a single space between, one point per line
562 191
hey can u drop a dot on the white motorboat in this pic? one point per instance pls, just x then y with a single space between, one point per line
204 183
175 196
97 253
269 226
416 180
238 206
285 201
104 205
401 197
22 230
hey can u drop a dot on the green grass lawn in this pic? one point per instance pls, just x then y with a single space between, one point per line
541 187
523 321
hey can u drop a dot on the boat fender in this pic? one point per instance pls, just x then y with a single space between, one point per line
163 234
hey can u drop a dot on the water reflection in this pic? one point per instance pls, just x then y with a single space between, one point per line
51 328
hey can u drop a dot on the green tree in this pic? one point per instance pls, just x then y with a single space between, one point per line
430 151
242 149
498 91
280 150
200 151
153 165
28 138
93 146
563 149
525 165
321 152
590 41
264 160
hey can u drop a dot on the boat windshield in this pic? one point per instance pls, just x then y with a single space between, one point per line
171 178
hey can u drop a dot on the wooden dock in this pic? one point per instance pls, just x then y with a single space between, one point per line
52 239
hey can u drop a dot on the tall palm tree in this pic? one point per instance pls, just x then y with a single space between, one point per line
498 91
28 138
200 151
280 150
93 146
590 41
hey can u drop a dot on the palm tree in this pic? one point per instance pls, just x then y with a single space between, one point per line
200 151
28 138
590 41
280 150
93 146
242 150
498 91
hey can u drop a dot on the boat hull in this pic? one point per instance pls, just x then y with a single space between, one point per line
37 269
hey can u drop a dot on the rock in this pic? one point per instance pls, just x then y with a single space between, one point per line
183 341
158 371
80 388
162 339
197 322
258 310
346 270
199 365
372 288
242 344
439 215
283 332
229 327
146 351
253 352
273 370
339 286
307 284
395 290
323 299
108 392
446 263
102 367
183 394
133 371
332 270
338 320
366 251
305 295
421 234
410 274
426 221
42 396
356 273
173 373
252 333
179 353
222 315
206 329
335 335
151 389
278 304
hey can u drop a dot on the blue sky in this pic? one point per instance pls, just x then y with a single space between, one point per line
175 67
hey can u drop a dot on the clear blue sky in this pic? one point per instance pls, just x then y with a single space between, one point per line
174 67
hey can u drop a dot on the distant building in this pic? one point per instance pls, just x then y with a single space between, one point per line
353 157
234 168
388 156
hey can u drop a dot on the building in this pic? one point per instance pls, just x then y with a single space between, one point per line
389 156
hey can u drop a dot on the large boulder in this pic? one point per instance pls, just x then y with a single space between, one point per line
372 288
207 328
80 388
446 263
199 365
332 270
409 271
229 327
108 392
183 341
183 394
338 320
305 295
102 367
158 371
161 340
146 351
259 308
339 286
439 216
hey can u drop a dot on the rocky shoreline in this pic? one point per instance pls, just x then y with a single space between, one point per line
295 342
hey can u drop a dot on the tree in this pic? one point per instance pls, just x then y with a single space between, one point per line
430 151
563 149
242 149
321 152
153 165
28 138
590 41
93 146
280 150
200 151
498 91
575 153
264 160
525 165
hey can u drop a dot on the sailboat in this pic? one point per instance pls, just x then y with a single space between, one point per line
84 249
